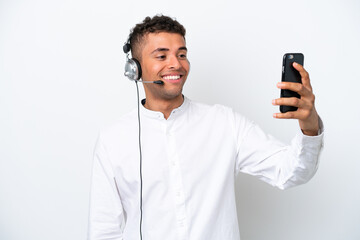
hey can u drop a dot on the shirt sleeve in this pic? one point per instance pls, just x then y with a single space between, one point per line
106 218
280 165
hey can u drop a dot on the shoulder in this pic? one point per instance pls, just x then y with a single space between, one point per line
220 115
216 111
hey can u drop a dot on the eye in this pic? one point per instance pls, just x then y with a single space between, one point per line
161 57
183 56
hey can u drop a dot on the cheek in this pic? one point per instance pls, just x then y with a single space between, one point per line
152 69
186 66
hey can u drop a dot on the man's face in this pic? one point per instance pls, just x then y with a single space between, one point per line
164 57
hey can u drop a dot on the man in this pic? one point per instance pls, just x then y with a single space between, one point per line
191 152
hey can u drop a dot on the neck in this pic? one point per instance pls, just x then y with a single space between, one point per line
164 106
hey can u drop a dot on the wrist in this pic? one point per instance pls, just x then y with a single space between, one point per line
310 127
310 132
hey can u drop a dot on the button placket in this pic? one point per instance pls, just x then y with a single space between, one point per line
176 183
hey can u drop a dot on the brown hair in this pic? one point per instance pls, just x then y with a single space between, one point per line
156 24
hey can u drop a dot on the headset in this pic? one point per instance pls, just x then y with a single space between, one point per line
133 68
133 73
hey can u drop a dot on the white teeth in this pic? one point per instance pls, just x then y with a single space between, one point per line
171 77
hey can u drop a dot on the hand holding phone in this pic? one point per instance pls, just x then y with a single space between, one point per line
297 79
290 74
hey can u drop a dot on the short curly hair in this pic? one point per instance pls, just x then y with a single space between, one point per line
156 24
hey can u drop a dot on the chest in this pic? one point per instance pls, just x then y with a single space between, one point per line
193 152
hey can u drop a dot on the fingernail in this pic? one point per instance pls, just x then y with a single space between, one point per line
279 84
273 102
295 63
274 115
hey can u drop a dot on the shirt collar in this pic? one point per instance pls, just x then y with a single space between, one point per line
155 114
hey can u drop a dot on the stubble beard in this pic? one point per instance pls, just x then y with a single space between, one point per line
161 93
169 95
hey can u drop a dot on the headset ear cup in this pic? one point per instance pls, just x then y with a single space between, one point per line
138 68
133 69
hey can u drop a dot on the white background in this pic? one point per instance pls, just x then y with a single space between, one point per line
61 79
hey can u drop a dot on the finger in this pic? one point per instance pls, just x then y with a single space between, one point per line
305 78
291 101
287 115
301 114
296 87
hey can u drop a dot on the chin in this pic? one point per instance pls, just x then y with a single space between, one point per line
170 95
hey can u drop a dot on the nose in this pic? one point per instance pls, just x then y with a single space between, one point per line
174 63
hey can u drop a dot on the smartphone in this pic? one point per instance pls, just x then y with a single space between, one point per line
290 74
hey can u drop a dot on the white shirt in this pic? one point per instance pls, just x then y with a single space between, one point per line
189 165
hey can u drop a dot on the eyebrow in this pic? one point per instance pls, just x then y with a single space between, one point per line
166 49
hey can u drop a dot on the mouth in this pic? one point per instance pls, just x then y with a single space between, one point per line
172 78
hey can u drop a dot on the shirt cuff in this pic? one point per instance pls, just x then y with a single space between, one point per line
314 142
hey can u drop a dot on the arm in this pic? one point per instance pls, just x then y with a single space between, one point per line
306 113
275 163
106 218
280 165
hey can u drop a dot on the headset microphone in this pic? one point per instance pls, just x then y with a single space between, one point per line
160 82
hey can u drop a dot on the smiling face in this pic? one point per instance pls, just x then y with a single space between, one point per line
164 57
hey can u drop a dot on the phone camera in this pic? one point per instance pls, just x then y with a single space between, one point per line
291 56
